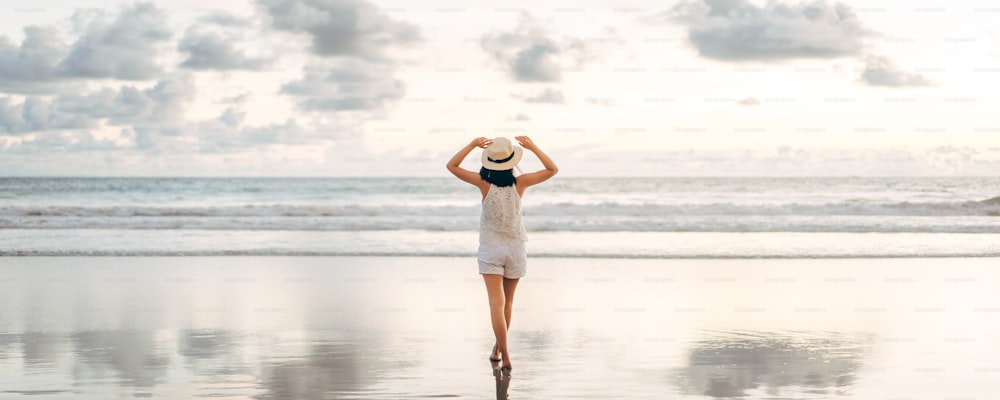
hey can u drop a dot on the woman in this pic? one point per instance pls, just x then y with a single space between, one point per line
502 257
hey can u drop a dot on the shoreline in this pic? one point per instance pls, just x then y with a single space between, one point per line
458 244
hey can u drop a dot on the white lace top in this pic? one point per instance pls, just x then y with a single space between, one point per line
500 223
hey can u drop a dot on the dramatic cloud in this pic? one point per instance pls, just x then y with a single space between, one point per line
529 54
737 30
879 71
350 85
353 28
212 50
127 47
548 95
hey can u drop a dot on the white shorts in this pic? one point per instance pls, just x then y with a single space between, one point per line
511 261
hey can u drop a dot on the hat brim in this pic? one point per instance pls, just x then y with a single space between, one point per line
510 164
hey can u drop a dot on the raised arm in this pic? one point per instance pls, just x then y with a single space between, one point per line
462 173
534 178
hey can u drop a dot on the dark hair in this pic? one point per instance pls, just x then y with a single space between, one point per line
500 178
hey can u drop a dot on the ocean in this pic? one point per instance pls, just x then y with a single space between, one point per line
565 217
367 288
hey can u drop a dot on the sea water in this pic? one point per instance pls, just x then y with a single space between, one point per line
565 217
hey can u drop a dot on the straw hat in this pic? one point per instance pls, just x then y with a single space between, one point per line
501 155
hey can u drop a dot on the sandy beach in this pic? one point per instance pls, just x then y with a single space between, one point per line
417 327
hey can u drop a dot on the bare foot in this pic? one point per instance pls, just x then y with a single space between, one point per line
495 354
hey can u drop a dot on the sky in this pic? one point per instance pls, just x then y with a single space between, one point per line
395 88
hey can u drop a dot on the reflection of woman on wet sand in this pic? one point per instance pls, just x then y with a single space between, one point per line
502 257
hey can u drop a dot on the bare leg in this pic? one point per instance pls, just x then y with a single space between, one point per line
497 300
509 285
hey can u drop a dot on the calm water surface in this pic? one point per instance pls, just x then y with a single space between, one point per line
392 328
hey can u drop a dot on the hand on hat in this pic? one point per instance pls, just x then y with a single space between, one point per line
526 142
481 142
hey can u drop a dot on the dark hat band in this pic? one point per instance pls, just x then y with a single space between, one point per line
511 156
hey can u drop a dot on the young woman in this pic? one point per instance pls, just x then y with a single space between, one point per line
502 258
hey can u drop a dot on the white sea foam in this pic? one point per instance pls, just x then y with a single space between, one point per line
582 207
966 216
665 245
61 216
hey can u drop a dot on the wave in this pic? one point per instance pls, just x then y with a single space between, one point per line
533 224
227 211
989 207
845 216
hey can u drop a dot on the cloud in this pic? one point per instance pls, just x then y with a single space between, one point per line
737 30
527 59
879 71
529 54
63 102
232 117
224 134
352 28
238 99
11 119
30 67
349 85
548 95
225 19
213 51
357 36
126 48
36 114
55 142
950 149
163 103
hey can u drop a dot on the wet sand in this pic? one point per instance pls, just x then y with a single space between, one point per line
418 327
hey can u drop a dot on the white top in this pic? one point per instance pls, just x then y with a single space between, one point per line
500 223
